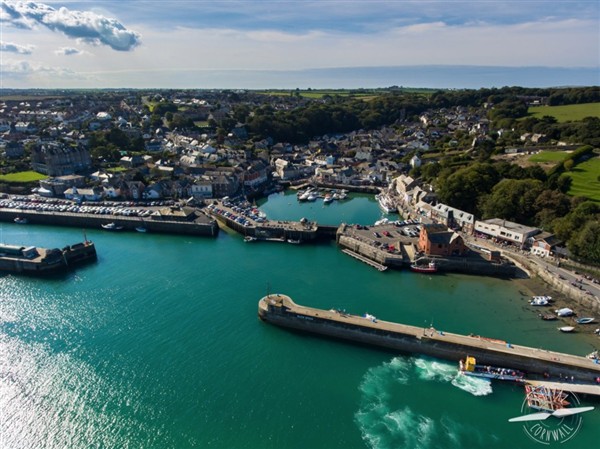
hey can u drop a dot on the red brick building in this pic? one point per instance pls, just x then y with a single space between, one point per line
437 240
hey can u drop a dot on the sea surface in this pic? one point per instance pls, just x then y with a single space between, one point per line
158 345
417 76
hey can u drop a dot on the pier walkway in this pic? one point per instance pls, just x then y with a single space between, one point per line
369 262
568 386
281 310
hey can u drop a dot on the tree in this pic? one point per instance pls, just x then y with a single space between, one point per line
550 205
462 188
513 200
108 153
581 212
569 164
586 243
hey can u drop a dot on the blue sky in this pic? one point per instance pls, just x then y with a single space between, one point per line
196 43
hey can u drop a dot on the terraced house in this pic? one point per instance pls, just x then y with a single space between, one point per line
59 159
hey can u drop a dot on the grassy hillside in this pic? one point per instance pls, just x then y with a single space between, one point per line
549 156
585 179
571 112
24 176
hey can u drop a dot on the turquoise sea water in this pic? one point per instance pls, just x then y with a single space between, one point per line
158 345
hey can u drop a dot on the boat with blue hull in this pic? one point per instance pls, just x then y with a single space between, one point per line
469 367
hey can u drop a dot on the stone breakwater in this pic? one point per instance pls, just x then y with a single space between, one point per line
282 311
196 223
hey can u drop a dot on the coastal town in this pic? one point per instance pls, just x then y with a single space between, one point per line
175 180
111 160
319 224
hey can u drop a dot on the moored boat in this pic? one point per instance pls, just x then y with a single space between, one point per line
249 239
112 227
141 229
539 301
303 196
385 203
431 267
21 220
565 311
585 320
566 329
469 367
548 316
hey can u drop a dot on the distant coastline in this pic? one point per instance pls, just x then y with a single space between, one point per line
418 76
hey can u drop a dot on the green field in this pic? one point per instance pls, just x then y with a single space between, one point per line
549 156
24 176
585 179
364 94
570 112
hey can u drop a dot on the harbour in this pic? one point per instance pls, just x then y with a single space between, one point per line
159 342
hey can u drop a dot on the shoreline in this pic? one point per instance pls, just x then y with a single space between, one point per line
534 286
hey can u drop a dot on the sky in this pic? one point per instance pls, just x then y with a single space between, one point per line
288 44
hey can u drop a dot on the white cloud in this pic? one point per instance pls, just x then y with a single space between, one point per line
24 69
573 43
87 26
16 48
68 51
178 56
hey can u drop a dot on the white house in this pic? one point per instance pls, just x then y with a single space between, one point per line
505 230
201 189
415 161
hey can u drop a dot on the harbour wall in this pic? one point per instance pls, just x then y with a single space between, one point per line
405 255
49 261
201 226
281 311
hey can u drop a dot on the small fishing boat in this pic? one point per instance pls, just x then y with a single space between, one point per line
303 196
539 301
249 239
293 241
584 320
469 367
565 311
21 220
141 229
112 227
429 268
312 196
566 329
594 355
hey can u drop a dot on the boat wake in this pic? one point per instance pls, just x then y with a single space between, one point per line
435 370
385 421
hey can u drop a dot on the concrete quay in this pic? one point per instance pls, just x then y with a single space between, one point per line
281 310
395 247
194 224
263 229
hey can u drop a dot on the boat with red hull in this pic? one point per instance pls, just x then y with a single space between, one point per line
431 267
